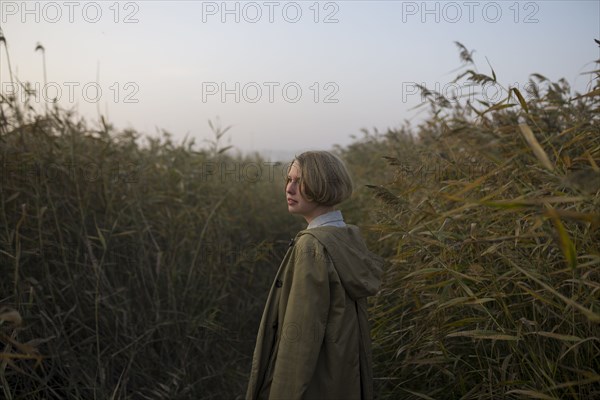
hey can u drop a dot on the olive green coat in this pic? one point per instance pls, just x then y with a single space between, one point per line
314 340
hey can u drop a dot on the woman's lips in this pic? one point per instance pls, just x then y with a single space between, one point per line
291 202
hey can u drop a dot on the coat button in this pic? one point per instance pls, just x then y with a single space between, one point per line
279 283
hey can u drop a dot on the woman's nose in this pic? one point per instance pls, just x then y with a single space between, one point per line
290 188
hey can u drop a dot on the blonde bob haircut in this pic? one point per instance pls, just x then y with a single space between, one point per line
324 178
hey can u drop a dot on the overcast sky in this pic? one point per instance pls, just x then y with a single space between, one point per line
288 76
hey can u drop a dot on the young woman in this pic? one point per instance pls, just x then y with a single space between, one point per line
313 340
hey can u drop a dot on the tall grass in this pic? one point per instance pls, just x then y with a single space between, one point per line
129 270
491 231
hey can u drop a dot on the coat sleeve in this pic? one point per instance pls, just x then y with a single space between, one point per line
303 327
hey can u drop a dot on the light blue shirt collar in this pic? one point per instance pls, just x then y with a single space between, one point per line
332 218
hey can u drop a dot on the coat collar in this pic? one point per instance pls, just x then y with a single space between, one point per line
332 218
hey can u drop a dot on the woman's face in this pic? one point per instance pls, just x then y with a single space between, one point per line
297 204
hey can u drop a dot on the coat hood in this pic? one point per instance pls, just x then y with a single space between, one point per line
359 269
